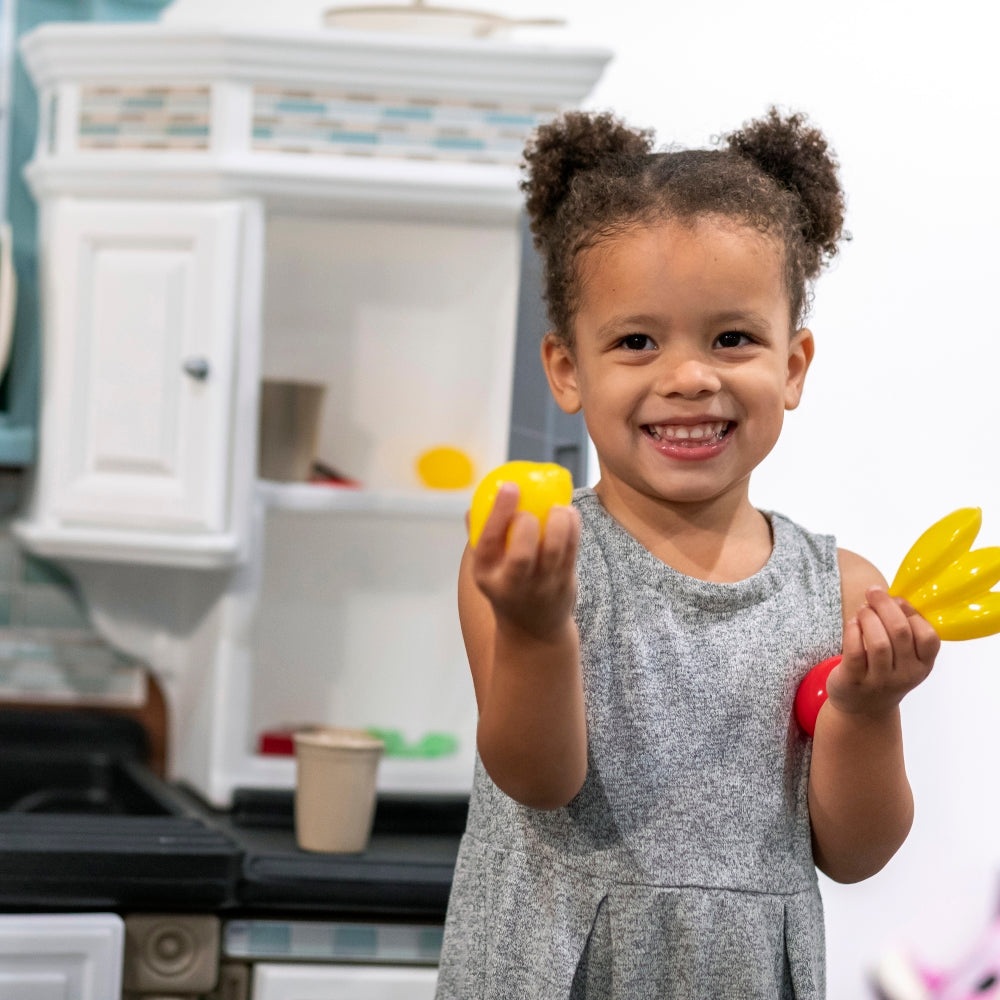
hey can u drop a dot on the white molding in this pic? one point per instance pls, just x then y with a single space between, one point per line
478 68
370 187
317 498
214 551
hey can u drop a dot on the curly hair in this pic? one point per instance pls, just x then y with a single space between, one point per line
589 177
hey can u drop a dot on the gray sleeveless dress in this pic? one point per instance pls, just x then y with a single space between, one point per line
683 868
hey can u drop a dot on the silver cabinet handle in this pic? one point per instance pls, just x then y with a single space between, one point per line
197 368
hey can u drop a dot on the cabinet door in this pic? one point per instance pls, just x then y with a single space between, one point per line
142 303
61 957
342 982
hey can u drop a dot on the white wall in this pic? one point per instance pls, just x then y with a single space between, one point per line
898 423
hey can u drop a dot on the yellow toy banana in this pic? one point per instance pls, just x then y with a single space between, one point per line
939 546
946 580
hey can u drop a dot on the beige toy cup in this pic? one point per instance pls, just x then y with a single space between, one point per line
289 429
335 788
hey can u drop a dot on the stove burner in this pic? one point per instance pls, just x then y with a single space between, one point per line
74 764
67 800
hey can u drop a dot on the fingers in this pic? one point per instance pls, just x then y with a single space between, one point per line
853 649
926 641
528 576
886 630
888 649
887 633
514 540
557 554
492 544
532 551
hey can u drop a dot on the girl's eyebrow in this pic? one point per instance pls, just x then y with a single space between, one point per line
615 324
750 316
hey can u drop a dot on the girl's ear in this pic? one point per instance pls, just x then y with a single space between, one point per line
560 370
800 355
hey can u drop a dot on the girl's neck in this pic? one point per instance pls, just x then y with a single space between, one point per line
722 540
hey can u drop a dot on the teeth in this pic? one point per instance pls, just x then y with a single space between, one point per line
679 432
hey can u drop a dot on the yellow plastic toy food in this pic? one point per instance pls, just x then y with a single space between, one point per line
542 484
949 582
946 580
445 468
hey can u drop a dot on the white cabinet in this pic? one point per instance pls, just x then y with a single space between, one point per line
61 957
145 317
342 982
220 207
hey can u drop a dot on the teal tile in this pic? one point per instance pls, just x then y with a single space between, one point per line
417 114
271 938
47 607
363 138
9 557
35 570
355 941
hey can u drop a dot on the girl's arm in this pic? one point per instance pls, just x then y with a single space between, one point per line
860 802
515 600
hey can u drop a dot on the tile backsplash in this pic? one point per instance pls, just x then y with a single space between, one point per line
49 652
34 593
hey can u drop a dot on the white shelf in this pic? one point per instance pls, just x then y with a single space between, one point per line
317 498
356 186
396 775
151 548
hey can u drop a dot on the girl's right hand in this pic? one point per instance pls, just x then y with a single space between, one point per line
529 577
888 649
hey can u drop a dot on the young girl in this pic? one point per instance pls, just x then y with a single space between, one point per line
647 817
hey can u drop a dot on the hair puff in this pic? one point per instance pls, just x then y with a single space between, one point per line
798 157
576 143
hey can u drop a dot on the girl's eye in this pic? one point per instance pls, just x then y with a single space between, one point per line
637 342
733 338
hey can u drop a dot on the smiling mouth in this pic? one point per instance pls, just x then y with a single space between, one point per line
690 435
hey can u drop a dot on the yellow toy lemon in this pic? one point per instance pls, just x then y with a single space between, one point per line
445 468
542 485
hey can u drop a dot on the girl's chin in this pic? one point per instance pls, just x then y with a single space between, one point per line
686 492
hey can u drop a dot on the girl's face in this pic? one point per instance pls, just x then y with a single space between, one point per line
683 361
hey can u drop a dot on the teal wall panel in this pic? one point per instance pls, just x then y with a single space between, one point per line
19 388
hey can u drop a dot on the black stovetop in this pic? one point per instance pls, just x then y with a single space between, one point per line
405 872
84 823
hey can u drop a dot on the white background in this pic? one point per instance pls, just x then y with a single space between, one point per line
898 423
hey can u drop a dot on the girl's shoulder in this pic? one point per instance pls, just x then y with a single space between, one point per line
857 575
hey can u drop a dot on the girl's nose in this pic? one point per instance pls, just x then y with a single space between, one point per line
689 376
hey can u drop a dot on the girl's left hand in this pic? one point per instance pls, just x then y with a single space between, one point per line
888 649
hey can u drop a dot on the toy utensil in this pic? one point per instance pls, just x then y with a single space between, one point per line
946 581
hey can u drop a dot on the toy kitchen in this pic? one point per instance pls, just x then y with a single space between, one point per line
238 223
